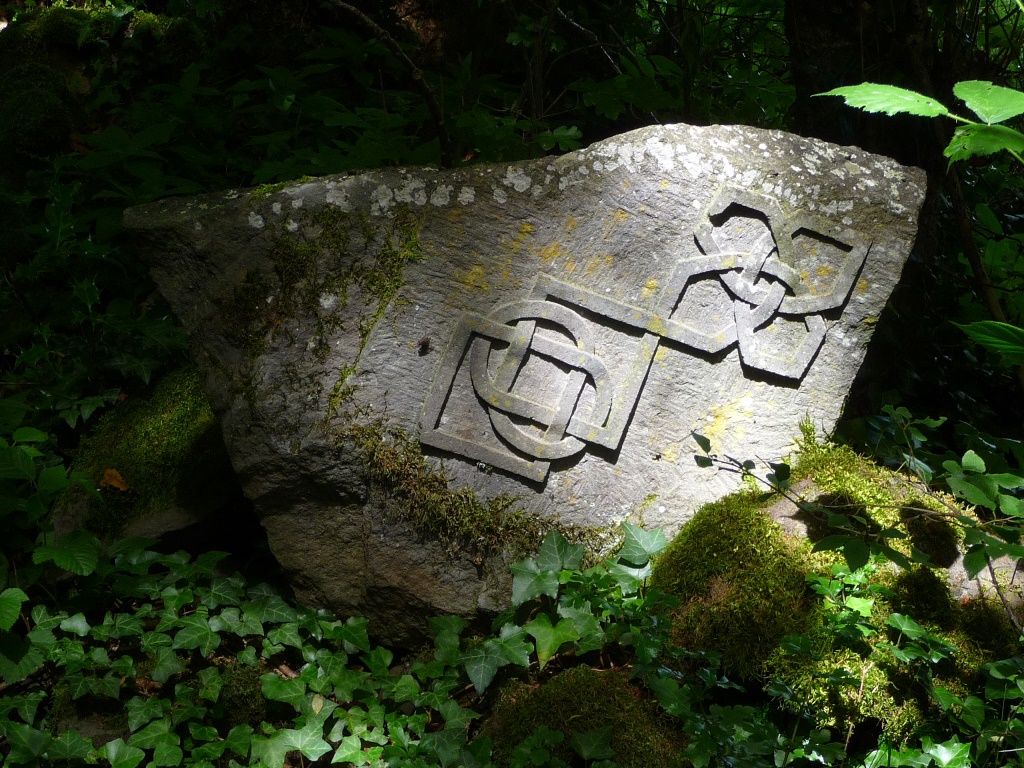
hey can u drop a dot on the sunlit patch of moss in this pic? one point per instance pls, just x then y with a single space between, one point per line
154 442
846 688
852 485
583 699
741 584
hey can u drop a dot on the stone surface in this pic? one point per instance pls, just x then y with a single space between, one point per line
552 330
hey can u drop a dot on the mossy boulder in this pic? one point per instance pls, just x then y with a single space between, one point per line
583 699
739 569
157 460
740 582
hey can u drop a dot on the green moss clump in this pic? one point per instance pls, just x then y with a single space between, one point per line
242 694
38 109
852 485
741 584
162 445
580 700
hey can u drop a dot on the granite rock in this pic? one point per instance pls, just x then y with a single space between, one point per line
548 333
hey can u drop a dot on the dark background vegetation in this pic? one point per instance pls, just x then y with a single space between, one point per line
108 105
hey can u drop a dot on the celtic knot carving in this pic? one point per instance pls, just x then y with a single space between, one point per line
768 269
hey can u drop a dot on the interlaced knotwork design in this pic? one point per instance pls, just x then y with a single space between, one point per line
760 277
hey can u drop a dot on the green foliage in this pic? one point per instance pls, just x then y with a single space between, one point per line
991 103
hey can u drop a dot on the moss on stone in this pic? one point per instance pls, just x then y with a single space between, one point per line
741 583
156 443
582 699
851 485
38 109
395 465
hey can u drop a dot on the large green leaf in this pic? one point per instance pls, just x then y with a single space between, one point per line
350 750
11 600
512 644
270 751
874 97
1004 338
77 552
289 691
195 632
992 103
980 139
27 744
156 733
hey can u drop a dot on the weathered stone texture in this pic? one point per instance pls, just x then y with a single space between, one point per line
551 329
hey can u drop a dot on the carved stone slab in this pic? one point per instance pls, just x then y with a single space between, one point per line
552 330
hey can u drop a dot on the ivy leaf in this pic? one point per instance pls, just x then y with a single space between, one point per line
992 103
550 638
874 97
76 624
195 632
640 545
557 554
594 745
513 646
11 600
289 691
142 710
270 751
350 750
121 755
309 741
270 609
238 739
586 624
156 733
70 745
528 581
949 754
353 633
27 744
482 663
211 682
167 664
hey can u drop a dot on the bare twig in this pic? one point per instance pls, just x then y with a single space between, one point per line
1002 598
447 154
